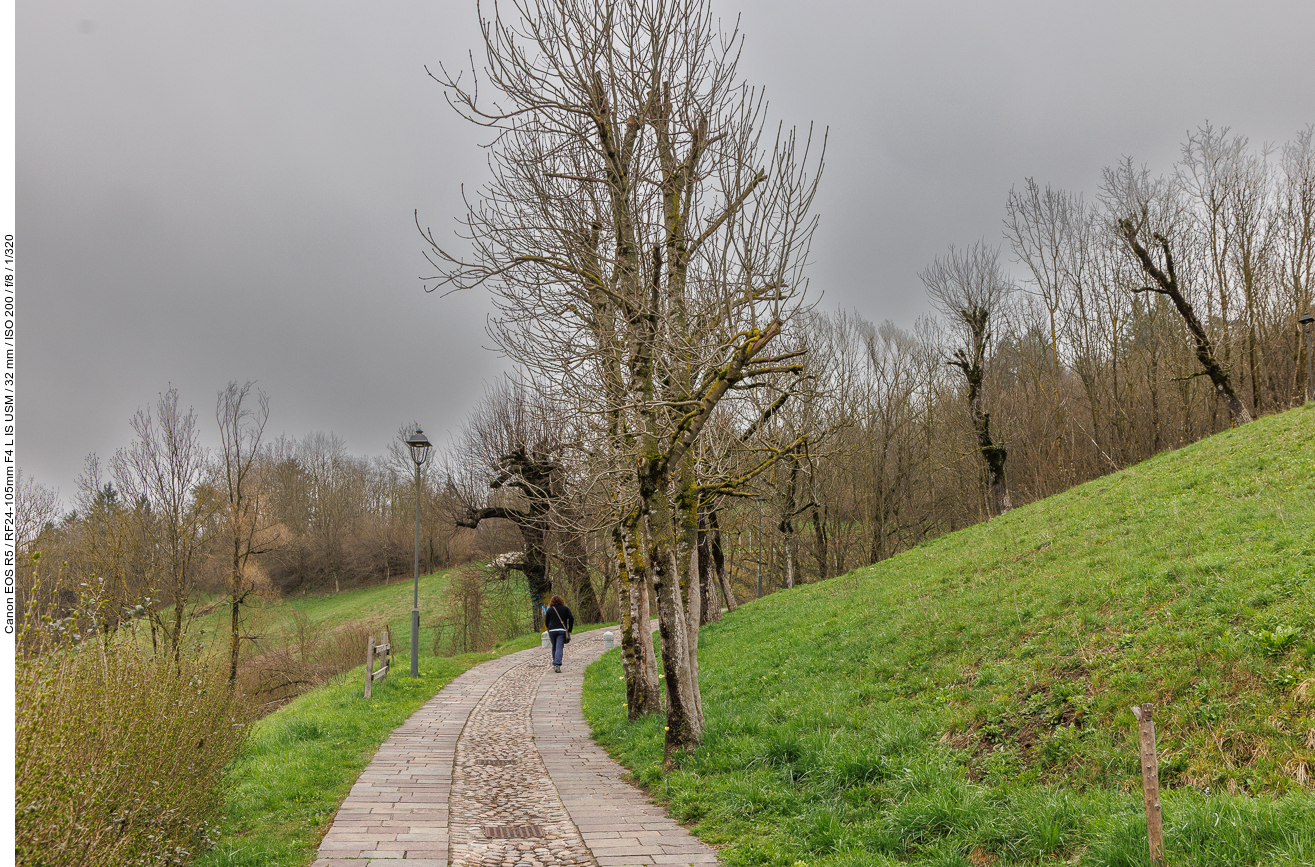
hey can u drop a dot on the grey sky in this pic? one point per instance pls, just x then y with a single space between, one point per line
220 191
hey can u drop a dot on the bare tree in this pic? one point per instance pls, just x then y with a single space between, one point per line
1044 229
35 506
1166 283
1296 243
164 470
643 243
333 482
1142 205
513 448
970 288
243 515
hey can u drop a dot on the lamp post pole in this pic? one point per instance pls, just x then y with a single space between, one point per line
419 447
1308 325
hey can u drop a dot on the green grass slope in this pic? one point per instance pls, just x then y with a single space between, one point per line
278 622
968 702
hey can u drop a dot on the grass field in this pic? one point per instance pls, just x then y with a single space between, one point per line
275 622
968 702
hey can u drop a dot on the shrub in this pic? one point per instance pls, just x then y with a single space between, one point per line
311 659
479 611
119 756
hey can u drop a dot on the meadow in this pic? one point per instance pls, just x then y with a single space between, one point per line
969 702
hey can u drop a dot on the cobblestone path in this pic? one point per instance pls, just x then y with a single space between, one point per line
504 808
498 770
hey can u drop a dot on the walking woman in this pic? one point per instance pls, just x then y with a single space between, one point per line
559 621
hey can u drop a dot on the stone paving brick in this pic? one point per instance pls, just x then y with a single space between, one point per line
505 744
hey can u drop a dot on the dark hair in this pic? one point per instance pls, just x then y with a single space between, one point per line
557 600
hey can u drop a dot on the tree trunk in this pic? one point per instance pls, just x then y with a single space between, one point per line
642 694
236 596
993 453
787 552
787 524
176 639
709 603
822 554
719 562
1166 283
685 723
575 564
629 616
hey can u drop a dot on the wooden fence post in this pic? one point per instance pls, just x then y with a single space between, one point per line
369 665
1150 780
383 649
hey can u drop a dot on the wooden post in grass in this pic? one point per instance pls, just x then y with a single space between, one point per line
369 665
1150 781
372 652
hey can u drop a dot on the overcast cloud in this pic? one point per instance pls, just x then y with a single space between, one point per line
225 191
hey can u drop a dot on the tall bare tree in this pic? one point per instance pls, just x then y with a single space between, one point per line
164 470
643 238
1296 242
334 485
1145 206
243 516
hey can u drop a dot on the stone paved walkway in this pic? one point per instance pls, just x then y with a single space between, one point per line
498 770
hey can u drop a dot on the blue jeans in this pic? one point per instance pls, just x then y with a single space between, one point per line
557 638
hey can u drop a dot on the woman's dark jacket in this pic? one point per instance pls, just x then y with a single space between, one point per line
558 617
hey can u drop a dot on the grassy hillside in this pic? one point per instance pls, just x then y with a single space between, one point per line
277 621
968 702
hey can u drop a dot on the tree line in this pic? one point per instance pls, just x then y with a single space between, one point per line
166 529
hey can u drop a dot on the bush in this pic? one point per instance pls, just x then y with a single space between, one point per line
119 756
479 611
312 658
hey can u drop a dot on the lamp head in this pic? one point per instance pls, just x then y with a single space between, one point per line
419 447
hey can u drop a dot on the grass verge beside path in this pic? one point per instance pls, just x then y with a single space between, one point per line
300 762
967 703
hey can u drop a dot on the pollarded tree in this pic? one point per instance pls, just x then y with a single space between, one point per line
642 235
971 289
511 446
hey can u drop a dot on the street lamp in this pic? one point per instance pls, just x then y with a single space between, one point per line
1307 322
419 447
